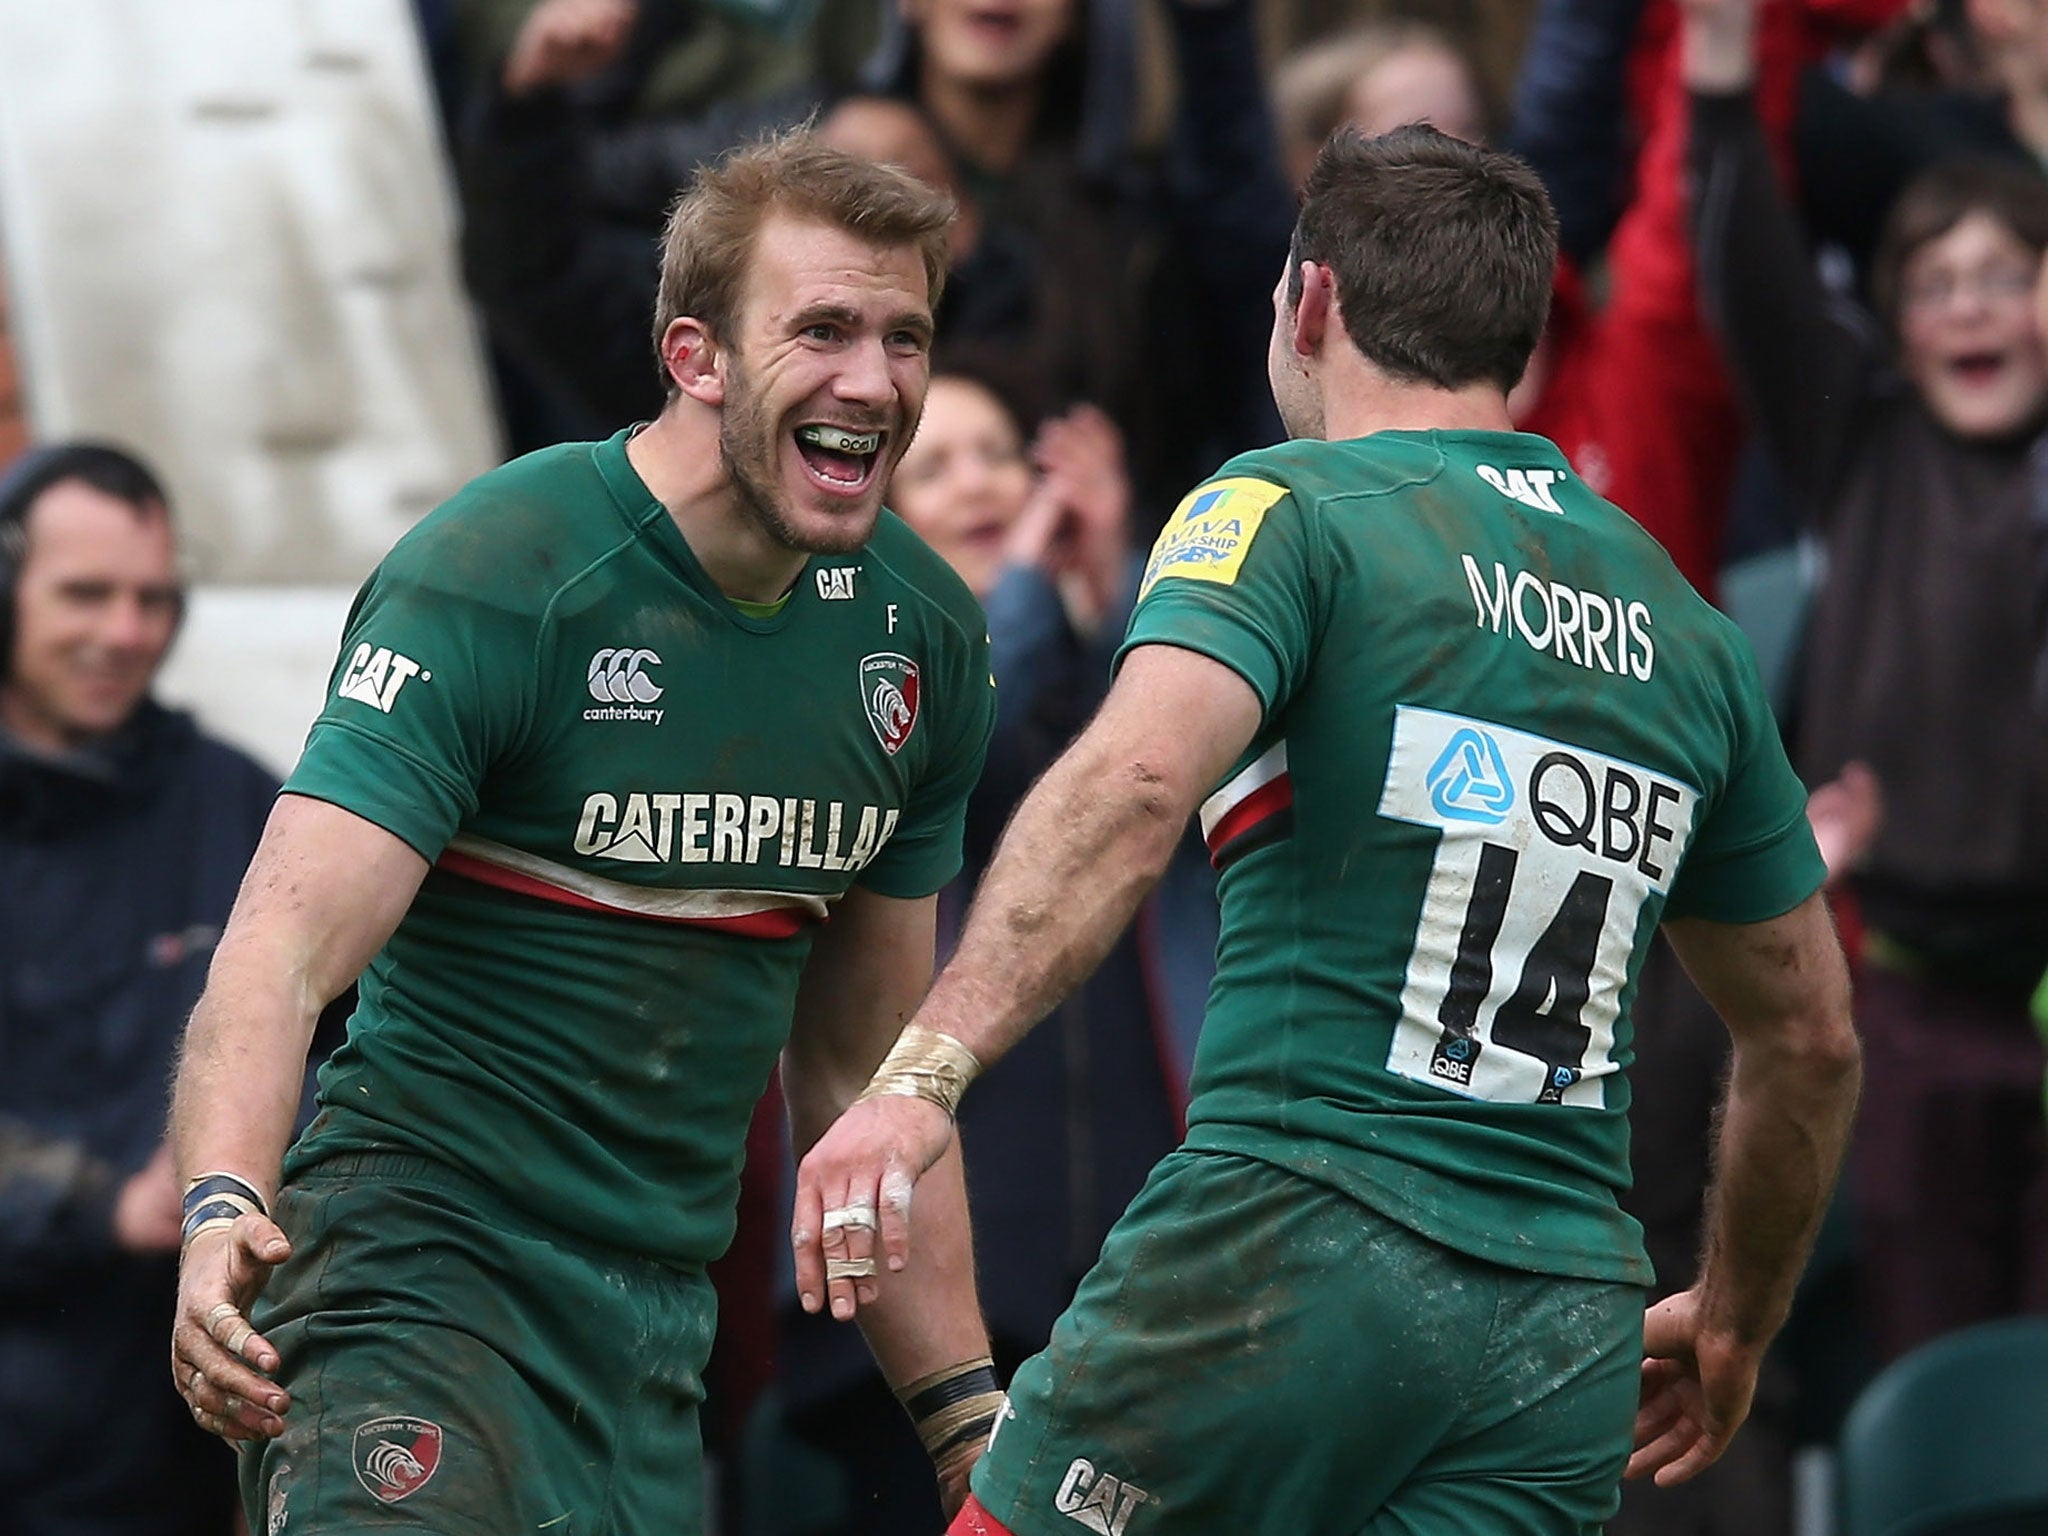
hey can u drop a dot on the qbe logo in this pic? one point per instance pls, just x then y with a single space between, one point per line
1469 780
618 676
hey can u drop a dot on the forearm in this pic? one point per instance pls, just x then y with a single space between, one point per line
1078 857
1568 112
928 1316
1784 1124
243 1065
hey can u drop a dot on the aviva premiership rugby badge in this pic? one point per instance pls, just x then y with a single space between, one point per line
1209 532
395 1457
888 690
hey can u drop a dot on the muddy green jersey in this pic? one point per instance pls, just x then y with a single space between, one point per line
638 801
1502 738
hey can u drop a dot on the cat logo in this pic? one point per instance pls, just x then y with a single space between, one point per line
1097 1500
835 582
374 676
1531 487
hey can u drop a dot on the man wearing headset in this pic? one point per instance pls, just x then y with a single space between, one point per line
123 836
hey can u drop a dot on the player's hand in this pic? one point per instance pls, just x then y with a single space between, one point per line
565 42
147 1211
853 1199
215 1355
1696 1392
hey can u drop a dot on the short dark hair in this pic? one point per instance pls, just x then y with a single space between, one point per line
1443 253
712 228
1939 199
108 469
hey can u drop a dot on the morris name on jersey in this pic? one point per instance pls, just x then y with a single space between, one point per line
1572 624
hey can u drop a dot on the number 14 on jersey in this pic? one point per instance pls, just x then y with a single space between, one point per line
1546 856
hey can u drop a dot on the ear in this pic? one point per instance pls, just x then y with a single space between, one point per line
694 362
1314 309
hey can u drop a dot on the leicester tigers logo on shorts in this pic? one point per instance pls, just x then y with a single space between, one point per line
395 1457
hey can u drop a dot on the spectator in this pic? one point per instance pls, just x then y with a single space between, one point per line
1922 659
581 120
1058 1141
1093 259
123 835
1377 78
1859 143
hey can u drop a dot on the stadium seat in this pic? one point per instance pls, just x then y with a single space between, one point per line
1952 1440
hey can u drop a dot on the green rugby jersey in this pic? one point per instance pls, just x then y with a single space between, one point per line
1502 738
638 802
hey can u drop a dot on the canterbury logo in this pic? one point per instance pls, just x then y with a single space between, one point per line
1097 1500
616 677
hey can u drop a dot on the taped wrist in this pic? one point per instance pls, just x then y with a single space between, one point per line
924 1064
954 1410
214 1201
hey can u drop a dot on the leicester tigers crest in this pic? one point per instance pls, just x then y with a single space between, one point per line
888 691
394 1457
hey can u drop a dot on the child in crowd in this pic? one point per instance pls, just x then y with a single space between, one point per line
1919 467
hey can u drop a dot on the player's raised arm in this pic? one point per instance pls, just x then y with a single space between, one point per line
324 891
1782 988
1080 853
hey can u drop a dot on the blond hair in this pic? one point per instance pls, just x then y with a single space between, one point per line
712 227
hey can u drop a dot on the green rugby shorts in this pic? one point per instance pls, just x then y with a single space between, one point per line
456 1368
1257 1353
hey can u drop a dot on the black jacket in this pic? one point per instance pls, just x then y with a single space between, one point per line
117 869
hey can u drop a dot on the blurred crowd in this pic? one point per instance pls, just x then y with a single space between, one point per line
1798 333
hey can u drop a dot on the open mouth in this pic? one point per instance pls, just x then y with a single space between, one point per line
1977 367
838 458
997 26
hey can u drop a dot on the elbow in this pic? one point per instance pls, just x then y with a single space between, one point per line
1158 810
1823 1051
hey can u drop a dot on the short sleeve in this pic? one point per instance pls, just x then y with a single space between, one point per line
1230 577
926 850
1755 857
429 690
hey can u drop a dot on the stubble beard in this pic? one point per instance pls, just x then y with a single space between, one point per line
748 444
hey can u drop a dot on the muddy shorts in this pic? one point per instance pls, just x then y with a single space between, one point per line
1257 1353
456 1368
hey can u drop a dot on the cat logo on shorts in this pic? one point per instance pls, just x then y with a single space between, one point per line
888 690
394 1457
1097 1500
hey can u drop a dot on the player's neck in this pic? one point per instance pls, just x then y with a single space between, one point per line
1359 407
683 469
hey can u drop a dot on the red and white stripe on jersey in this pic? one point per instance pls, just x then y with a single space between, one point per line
1254 808
757 914
975 1520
